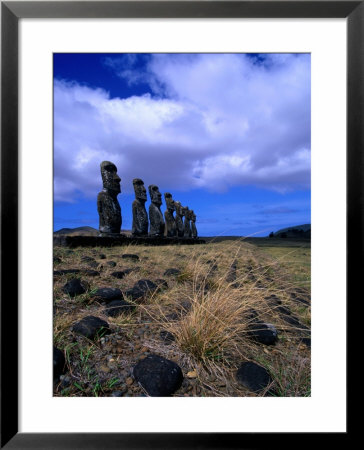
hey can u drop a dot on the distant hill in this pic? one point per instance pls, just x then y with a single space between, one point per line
298 231
79 231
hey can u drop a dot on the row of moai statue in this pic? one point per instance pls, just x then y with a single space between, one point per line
110 212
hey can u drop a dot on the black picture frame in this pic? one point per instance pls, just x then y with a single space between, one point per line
11 12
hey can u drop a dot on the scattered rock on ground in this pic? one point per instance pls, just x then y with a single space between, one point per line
253 376
130 256
231 275
284 310
300 300
166 337
306 341
159 376
111 263
162 284
293 320
87 259
108 294
59 363
172 271
75 287
141 289
93 264
117 307
91 327
273 299
264 333
252 315
91 273
121 273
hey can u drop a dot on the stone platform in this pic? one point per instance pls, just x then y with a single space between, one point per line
112 241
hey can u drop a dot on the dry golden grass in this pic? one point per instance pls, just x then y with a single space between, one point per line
207 308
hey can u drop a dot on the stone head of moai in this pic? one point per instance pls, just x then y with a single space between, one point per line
179 216
107 203
139 189
169 202
178 208
155 195
186 224
193 225
110 178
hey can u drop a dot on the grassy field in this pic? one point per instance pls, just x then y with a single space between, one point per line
207 307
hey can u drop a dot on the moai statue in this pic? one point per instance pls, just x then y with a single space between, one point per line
140 216
193 225
170 229
155 215
179 220
186 224
107 203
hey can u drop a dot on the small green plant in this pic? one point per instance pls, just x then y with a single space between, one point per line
97 390
111 383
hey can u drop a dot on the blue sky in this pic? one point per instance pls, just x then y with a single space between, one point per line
229 135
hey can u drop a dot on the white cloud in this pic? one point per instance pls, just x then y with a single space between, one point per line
212 121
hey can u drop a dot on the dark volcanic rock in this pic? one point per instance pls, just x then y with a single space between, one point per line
299 300
102 256
185 306
160 377
111 263
75 287
273 300
162 284
91 327
264 333
141 289
252 315
93 264
121 273
231 275
59 363
117 307
91 273
87 259
253 376
172 271
108 294
293 320
173 317
306 341
166 337
146 285
130 256
284 310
